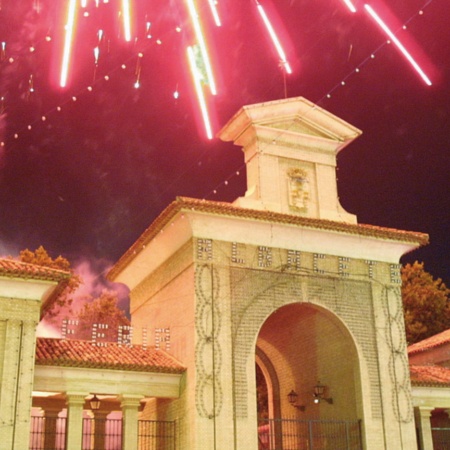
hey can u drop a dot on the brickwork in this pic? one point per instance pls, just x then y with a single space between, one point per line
257 294
217 297
208 351
155 281
3 324
348 292
164 300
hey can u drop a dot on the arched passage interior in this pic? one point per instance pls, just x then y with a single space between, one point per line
300 345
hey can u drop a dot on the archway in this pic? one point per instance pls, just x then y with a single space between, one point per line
299 346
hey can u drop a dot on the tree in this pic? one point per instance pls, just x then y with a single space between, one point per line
426 303
101 310
40 257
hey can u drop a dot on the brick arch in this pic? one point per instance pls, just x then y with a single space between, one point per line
347 305
306 343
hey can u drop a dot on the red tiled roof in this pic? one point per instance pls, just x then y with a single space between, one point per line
230 210
429 343
73 353
17 269
430 376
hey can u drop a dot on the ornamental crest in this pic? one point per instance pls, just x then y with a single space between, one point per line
298 189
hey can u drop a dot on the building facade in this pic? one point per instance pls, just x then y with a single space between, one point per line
285 279
283 283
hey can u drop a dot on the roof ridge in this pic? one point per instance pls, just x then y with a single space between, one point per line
15 262
431 342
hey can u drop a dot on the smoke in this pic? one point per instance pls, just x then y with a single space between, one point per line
48 330
93 275
7 248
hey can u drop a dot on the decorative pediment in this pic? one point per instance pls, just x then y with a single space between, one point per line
299 125
294 115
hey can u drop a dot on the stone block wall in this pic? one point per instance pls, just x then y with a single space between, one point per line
18 321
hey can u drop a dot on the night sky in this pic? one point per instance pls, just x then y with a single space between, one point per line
86 181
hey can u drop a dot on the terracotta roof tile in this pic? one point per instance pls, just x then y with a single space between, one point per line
17 269
231 210
430 376
73 353
429 343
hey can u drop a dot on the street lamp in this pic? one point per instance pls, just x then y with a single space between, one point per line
319 394
292 399
95 403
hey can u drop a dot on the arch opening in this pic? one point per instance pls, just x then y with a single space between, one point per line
299 346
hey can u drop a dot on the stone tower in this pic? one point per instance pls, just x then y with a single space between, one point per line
283 279
290 149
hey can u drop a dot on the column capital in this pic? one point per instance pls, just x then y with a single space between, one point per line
425 411
130 401
76 398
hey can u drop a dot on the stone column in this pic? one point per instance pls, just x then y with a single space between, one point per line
423 415
74 426
130 406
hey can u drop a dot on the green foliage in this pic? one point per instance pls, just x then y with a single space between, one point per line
426 303
101 310
40 257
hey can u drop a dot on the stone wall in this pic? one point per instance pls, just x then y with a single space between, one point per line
18 320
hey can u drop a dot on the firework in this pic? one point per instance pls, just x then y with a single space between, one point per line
274 38
197 79
398 44
350 5
126 12
202 45
68 42
215 13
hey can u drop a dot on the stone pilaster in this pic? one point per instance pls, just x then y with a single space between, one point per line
74 427
130 409
423 415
